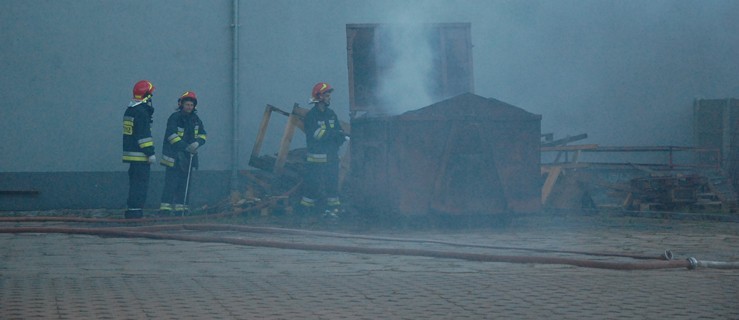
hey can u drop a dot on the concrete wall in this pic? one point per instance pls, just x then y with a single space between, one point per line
106 190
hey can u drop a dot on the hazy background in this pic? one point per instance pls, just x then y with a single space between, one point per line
624 72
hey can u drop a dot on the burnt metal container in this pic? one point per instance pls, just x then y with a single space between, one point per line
716 125
464 155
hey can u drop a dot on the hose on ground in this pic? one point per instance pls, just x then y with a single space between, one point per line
695 263
667 255
690 264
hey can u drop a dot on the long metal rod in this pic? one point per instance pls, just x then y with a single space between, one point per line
187 182
235 133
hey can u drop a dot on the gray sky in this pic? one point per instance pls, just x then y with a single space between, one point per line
624 72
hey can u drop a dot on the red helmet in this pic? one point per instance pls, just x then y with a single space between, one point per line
143 90
320 88
188 95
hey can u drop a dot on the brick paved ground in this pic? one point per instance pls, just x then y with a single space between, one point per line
63 276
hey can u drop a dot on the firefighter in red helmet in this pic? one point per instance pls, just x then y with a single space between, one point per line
324 137
185 133
138 147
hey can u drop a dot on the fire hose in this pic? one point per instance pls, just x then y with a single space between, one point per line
154 232
667 255
691 263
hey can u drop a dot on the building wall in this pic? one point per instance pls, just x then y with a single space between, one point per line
20 191
68 67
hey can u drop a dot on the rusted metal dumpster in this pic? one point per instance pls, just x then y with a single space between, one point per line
464 155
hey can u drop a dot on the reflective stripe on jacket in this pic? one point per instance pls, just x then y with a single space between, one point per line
323 135
138 144
182 130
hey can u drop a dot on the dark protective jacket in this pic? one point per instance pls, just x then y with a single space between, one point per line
182 130
138 144
324 135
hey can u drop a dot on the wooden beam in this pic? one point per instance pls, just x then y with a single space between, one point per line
570 148
565 140
262 132
293 121
554 173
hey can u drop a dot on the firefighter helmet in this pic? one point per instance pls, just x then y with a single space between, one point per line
188 95
320 88
143 90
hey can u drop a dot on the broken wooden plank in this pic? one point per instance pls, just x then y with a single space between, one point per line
549 183
564 141
293 121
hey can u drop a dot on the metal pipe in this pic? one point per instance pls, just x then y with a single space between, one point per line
235 115
187 182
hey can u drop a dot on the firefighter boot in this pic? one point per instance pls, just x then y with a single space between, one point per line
333 209
308 213
181 209
333 215
134 213
165 209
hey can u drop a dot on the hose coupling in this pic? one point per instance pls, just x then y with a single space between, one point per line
693 263
667 255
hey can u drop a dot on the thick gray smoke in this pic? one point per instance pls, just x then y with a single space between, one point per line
406 59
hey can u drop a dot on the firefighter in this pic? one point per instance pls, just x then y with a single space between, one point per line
185 133
138 147
324 137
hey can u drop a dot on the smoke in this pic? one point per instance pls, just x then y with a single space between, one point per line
405 62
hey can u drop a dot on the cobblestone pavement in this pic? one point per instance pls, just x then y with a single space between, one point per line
69 276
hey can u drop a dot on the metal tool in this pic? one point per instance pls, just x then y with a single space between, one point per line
187 183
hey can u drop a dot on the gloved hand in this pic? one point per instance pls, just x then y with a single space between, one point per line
152 159
340 137
193 147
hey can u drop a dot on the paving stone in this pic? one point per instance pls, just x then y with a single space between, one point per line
60 276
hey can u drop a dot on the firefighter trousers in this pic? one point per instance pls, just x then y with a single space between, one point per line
321 180
138 184
175 181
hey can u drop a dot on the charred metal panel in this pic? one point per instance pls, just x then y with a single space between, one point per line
464 155
370 55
